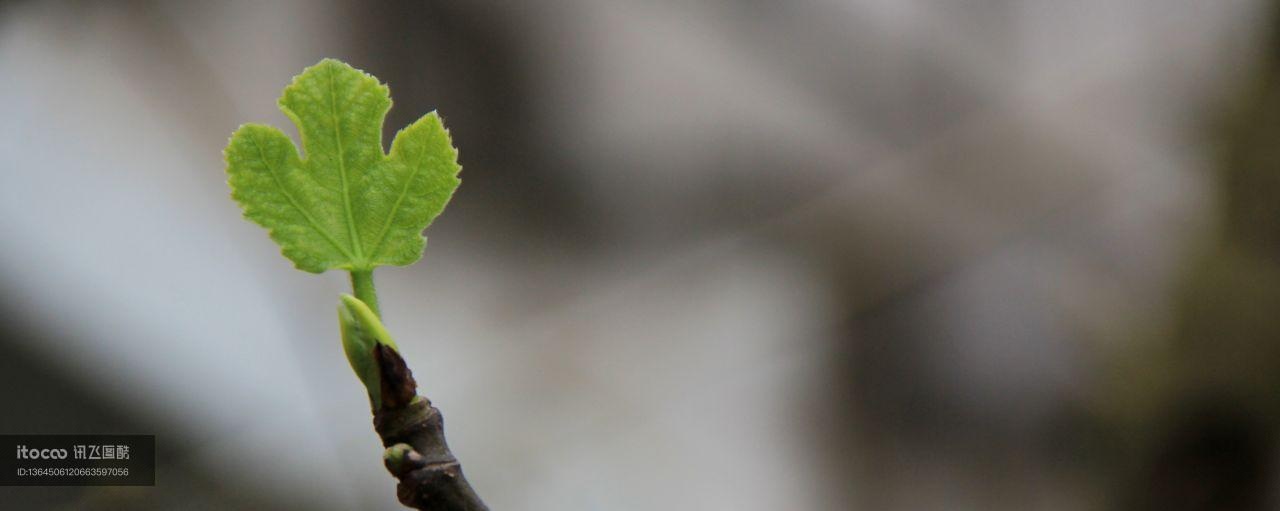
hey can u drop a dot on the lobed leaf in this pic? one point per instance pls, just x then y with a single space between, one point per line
347 204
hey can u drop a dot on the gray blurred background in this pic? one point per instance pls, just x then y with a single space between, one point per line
731 254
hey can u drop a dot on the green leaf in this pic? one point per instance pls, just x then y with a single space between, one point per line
346 204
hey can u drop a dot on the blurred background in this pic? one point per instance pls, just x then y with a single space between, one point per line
730 254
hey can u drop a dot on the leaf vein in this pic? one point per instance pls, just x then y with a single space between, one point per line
262 155
404 190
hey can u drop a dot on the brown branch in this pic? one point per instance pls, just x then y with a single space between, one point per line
417 454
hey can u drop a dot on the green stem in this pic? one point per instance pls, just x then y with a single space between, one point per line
362 284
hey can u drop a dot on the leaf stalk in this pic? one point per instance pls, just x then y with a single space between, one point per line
362 287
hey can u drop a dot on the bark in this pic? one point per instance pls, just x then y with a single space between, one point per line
417 454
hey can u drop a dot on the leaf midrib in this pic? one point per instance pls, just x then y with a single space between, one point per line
358 259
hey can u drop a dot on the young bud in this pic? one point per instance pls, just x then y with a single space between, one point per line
362 332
